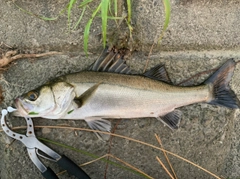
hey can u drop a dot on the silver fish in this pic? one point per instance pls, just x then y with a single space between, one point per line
109 90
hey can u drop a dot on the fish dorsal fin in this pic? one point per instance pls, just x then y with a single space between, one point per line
86 95
110 61
97 123
158 73
172 119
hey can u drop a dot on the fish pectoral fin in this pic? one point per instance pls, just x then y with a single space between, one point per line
86 95
97 123
159 73
172 119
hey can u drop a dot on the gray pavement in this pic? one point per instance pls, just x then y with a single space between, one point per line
201 36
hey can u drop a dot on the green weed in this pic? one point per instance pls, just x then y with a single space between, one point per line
103 10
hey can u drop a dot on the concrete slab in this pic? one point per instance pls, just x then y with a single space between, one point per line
208 135
194 25
205 135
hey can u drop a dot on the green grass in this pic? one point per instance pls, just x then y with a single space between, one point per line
69 10
167 7
102 10
87 28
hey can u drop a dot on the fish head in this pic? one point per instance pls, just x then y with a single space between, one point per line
49 101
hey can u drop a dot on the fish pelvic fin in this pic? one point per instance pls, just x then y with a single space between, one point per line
172 119
97 123
222 93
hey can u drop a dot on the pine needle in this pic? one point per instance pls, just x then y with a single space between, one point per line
87 163
116 158
158 159
130 166
169 163
128 138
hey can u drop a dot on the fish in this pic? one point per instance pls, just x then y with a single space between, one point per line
110 90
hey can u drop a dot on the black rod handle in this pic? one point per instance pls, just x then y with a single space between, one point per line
49 174
72 168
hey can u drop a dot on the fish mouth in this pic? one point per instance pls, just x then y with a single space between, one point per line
21 111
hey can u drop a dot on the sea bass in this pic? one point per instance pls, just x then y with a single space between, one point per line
109 90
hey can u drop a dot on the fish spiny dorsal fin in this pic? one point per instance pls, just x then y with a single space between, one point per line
158 73
95 64
110 61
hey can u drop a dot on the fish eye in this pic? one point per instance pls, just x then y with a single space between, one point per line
32 95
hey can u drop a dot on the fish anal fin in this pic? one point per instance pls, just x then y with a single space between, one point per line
97 123
158 73
86 95
172 119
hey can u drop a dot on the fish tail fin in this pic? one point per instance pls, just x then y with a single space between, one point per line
222 94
